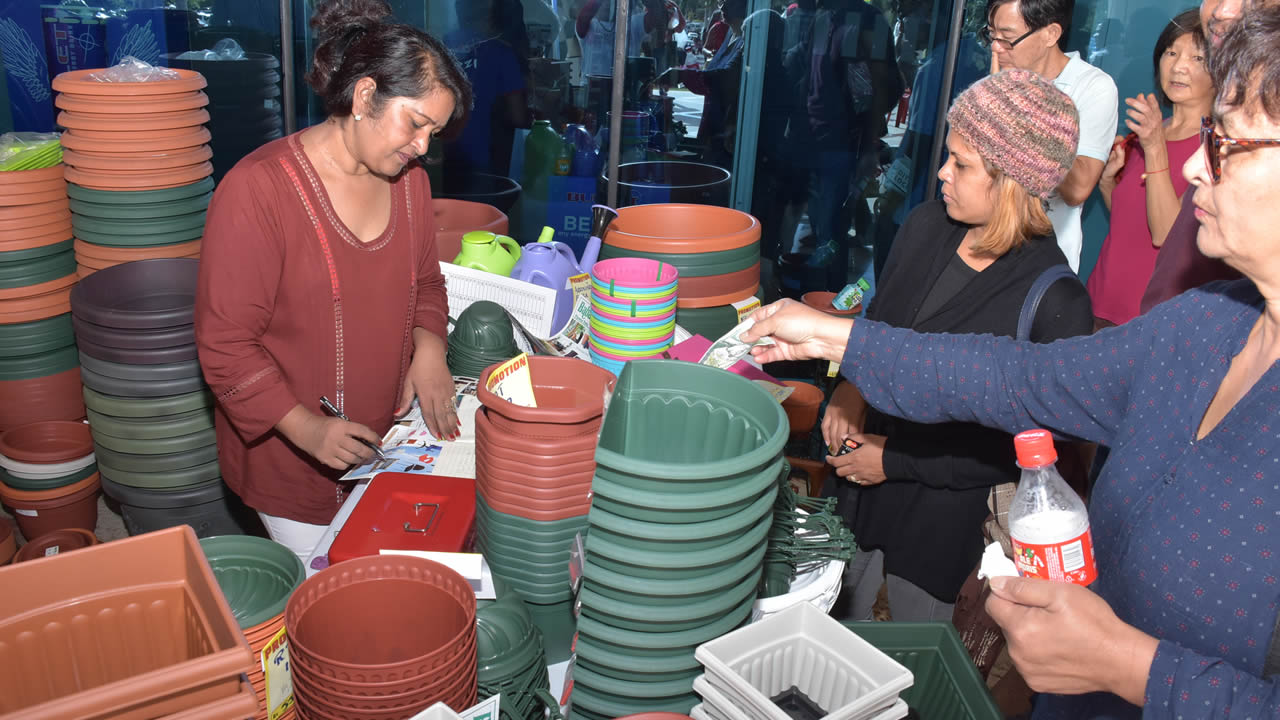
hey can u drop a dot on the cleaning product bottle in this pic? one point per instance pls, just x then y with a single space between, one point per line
1048 522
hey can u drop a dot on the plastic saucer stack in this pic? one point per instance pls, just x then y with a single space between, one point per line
137 156
633 310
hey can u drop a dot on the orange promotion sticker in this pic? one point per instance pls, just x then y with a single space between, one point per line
1070 561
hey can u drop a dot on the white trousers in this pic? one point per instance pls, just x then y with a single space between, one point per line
301 538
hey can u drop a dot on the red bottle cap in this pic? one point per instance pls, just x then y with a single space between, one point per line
1035 448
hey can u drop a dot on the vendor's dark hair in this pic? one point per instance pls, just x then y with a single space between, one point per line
1186 22
359 38
1246 67
1041 13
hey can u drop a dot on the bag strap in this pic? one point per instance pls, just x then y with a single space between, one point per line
1031 303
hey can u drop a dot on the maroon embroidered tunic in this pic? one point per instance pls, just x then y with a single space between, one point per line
292 306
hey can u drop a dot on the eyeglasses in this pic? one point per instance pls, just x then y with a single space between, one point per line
1217 146
987 40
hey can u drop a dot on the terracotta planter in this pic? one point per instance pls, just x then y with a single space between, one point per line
822 301
672 228
79 83
37 209
192 137
158 180
8 541
42 511
533 510
569 393
14 179
39 224
386 639
138 162
104 122
40 294
35 241
56 543
47 442
173 102
131 135
455 218
40 186
10 199
802 405
53 397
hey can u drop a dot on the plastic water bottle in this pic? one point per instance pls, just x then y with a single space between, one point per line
1048 522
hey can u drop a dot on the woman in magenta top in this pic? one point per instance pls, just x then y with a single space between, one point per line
1137 184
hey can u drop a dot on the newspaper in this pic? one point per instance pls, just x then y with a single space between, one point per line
410 447
572 340
512 382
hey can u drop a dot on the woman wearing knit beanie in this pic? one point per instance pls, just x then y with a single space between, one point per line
914 494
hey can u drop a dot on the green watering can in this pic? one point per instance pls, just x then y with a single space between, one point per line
486 251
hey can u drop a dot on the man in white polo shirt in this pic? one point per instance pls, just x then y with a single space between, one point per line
1031 35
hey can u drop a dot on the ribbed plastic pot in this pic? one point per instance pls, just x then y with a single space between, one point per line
256 575
163 426
676 662
453 671
197 440
535 510
129 371
56 543
140 197
455 218
364 616
50 441
517 487
635 563
611 706
163 480
679 540
153 356
209 507
140 388
35 337
53 397
131 339
656 591
570 396
630 615
145 407
540 475
42 511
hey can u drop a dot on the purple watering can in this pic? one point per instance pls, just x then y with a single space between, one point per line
551 264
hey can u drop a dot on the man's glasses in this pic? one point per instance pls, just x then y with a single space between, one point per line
1217 146
987 39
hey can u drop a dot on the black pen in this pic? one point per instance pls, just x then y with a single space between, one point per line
333 410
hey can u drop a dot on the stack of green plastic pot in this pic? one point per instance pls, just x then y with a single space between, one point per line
510 659
682 502
483 335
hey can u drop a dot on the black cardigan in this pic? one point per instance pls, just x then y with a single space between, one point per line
927 516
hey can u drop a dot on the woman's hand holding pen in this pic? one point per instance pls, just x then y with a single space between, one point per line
335 442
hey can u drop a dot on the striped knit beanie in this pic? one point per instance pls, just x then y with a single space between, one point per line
1022 124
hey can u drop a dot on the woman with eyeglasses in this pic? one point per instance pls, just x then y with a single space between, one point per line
1141 184
1186 513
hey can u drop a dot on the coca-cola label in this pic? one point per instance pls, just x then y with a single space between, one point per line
1069 561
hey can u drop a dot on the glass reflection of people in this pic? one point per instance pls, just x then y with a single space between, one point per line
319 274
1032 35
498 82
915 494
1181 619
853 82
1140 184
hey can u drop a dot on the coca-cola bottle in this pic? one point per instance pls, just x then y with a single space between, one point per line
1048 522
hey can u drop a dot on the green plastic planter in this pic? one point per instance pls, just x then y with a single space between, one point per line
137 388
557 624
128 371
139 197
946 685
172 237
35 253
28 367
684 421
36 337
162 480
610 706
256 575
140 211
139 226
171 462
663 537
153 428
710 323
656 591
675 565
157 446
669 618
693 265
681 501
146 407
677 662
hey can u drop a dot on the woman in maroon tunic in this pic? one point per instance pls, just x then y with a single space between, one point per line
319 274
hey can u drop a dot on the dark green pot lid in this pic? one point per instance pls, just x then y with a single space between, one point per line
140 197
154 428
18 483
29 367
160 480
139 388
36 337
37 271
140 240
147 407
155 446
256 575
140 211
142 226
38 252
139 463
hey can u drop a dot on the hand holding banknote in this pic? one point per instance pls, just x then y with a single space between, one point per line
725 352
798 332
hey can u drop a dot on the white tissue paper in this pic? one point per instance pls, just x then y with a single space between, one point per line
995 564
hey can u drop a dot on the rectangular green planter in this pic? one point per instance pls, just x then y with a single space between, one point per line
947 685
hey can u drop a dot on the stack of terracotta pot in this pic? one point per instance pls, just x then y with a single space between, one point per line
257 576
137 156
716 249
56 543
48 478
533 481
382 636
39 373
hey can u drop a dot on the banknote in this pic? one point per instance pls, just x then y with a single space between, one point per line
729 349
